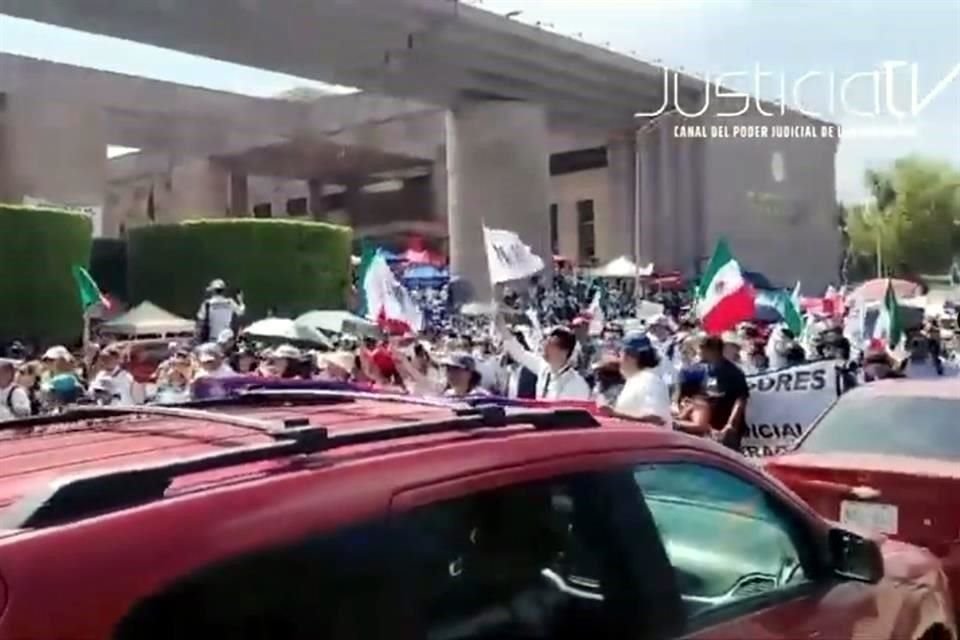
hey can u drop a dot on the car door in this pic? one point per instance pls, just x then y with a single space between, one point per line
748 562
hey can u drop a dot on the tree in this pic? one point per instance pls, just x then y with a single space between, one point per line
913 218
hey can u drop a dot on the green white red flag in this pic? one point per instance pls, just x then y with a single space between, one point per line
87 288
724 297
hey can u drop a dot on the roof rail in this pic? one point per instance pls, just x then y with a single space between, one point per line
308 395
82 413
74 498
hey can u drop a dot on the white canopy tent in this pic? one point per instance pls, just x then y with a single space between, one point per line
622 267
147 319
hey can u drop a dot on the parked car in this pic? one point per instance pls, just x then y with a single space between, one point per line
312 514
886 458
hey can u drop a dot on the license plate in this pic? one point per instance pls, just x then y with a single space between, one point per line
870 515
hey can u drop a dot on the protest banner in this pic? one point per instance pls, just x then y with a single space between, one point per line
508 257
784 403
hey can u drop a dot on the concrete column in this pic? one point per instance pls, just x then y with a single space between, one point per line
352 195
318 209
499 175
667 204
52 151
200 189
685 229
622 182
438 184
239 195
648 202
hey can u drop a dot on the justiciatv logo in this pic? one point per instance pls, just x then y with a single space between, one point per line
890 91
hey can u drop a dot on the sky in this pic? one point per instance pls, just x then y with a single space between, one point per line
789 38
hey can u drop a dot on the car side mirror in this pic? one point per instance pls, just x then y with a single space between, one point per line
854 557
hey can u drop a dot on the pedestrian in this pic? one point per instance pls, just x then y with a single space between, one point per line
727 389
113 378
14 400
218 313
212 362
463 379
557 375
645 396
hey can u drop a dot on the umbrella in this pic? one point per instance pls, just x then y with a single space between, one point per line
339 322
285 330
876 289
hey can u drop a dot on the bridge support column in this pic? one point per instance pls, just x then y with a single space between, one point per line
318 210
239 195
52 151
200 189
498 175
622 180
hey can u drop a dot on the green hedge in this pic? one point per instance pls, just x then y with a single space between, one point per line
37 249
286 265
108 266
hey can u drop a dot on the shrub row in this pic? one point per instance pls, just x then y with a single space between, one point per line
285 265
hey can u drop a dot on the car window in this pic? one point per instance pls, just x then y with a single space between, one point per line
541 561
888 425
724 536
575 557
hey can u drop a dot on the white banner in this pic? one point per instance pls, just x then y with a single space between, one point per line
95 212
508 257
784 403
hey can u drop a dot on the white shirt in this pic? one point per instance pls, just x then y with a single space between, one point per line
221 312
645 394
121 382
565 384
16 398
224 371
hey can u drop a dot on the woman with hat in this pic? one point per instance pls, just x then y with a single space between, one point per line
463 379
339 366
645 396
280 362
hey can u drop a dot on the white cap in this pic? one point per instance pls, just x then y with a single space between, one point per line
58 352
286 351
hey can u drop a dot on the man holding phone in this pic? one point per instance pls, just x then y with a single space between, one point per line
218 312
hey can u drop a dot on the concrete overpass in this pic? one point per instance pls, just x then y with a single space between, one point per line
503 85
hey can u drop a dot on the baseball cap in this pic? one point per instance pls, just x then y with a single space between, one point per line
460 361
58 352
217 285
637 342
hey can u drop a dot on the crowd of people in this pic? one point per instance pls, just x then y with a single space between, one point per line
662 370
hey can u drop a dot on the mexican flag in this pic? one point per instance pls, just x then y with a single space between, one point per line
788 308
889 326
384 299
88 290
724 298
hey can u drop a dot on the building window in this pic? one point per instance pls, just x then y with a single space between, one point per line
296 207
586 238
554 230
263 210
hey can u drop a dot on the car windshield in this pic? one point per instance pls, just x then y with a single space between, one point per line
914 426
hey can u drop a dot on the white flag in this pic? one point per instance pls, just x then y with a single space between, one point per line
508 257
595 312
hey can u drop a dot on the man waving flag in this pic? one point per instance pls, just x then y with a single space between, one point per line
724 298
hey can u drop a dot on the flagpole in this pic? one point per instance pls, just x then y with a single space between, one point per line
86 330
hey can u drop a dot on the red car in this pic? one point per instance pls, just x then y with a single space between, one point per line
886 458
288 515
